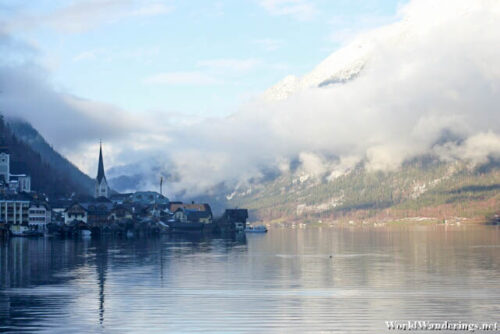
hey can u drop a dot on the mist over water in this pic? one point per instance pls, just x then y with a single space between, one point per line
347 280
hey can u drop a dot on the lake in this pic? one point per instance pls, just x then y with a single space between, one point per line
330 279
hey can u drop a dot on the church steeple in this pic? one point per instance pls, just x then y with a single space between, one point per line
101 185
100 169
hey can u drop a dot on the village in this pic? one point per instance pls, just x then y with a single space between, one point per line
25 212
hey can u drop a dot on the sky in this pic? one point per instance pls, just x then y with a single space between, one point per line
200 58
228 92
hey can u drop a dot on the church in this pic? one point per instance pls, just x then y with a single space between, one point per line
101 185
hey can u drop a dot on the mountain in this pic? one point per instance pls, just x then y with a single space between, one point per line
429 184
400 122
50 172
348 62
338 68
423 187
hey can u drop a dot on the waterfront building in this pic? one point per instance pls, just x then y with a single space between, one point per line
4 166
75 212
101 185
39 215
98 211
180 215
14 210
173 206
192 216
120 212
233 220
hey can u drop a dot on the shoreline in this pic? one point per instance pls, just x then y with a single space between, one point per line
408 221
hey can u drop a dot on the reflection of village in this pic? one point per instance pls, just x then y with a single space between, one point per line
24 212
30 261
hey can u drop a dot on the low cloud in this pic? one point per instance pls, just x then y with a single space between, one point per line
83 15
433 72
302 10
230 64
64 119
142 55
428 83
269 44
211 72
479 149
192 78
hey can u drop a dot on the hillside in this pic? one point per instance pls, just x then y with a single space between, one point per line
29 135
50 173
424 187
376 104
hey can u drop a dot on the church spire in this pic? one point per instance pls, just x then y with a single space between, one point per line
100 169
101 185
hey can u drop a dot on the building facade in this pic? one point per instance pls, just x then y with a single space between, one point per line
20 183
98 212
192 216
5 167
119 213
13 183
75 213
14 211
39 215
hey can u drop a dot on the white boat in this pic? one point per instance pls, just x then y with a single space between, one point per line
256 229
23 231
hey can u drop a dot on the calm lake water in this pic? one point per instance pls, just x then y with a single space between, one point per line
342 280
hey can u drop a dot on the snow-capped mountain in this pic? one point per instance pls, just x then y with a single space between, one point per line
348 62
340 67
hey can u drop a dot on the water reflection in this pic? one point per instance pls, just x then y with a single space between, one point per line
341 279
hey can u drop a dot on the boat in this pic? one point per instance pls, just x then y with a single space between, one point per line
26 233
256 229
164 227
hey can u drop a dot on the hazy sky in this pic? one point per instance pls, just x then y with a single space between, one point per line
197 57
175 88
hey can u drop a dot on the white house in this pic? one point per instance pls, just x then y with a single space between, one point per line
39 215
75 212
14 212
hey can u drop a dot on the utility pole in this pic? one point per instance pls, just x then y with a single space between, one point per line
161 184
